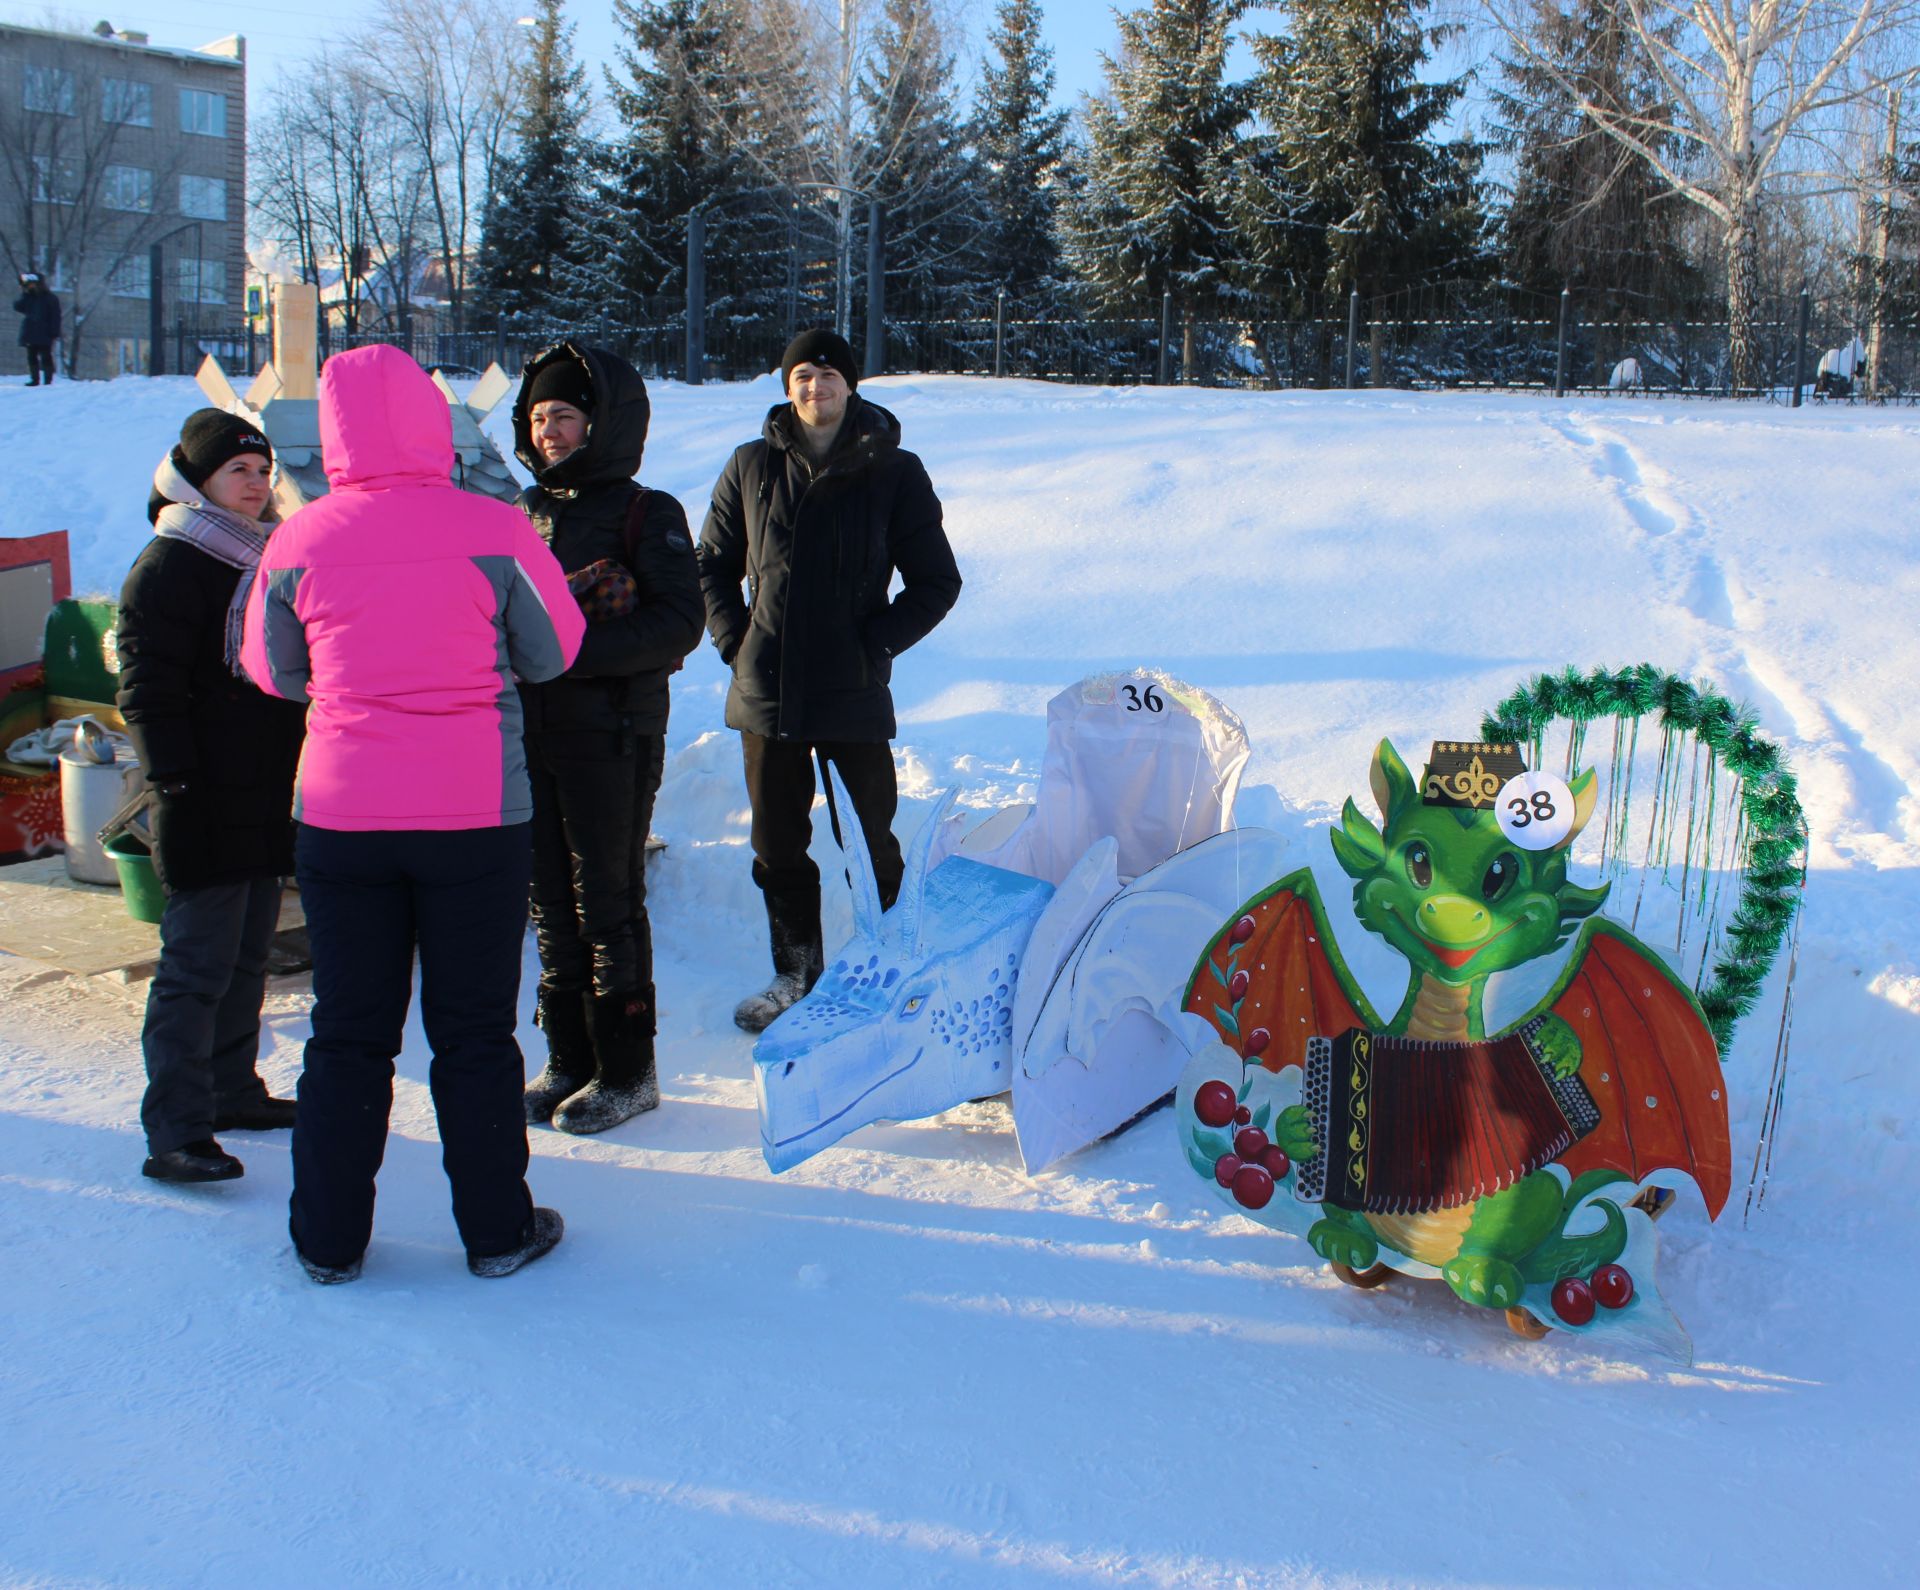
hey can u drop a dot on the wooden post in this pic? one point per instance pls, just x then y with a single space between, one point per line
296 317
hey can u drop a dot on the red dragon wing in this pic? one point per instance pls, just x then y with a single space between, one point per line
1297 986
1650 1063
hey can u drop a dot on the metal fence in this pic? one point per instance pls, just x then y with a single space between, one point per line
1449 335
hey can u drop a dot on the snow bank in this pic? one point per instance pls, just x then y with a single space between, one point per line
908 1362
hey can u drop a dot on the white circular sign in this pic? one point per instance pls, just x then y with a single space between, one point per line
1535 810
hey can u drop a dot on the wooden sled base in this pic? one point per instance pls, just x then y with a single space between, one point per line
1366 1280
1523 1323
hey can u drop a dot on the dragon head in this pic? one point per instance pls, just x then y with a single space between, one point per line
1448 889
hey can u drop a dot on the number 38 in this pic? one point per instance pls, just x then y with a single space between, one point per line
1537 809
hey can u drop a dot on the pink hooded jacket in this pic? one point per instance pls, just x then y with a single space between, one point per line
401 608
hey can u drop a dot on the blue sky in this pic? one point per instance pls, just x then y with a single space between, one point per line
280 33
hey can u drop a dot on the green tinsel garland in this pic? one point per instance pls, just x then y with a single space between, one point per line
1776 828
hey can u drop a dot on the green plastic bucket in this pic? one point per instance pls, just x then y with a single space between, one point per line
146 901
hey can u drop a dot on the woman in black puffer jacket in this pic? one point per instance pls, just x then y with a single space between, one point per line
220 756
596 736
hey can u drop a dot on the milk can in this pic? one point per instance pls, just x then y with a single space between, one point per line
94 784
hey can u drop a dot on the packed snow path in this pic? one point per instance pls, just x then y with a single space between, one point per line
906 1362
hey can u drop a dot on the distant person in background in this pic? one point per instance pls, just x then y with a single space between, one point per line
39 313
814 519
402 608
597 735
219 756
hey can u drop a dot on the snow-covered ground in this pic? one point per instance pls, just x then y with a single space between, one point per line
908 1362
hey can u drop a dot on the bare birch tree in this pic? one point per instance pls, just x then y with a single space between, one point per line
446 70
1753 86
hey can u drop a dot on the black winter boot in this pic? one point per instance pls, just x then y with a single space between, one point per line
561 1014
624 1083
793 925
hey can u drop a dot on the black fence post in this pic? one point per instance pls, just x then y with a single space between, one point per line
1800 347
1560 358
180 343
1353 331
876 362
1000 333
1166 330
156 313
500 339
696 358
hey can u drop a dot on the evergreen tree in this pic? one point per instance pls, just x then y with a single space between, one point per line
1022 147
1147 213
531 236
1347 188
1585 209
917 164
702 127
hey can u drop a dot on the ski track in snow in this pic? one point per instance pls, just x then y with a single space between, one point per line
908 1362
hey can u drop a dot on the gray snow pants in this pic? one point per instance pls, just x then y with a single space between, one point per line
202 1035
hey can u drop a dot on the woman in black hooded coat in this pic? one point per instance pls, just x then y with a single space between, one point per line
596 736
220 756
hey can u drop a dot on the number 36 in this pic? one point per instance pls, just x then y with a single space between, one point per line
1143 700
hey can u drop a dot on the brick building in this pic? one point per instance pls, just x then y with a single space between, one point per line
111 147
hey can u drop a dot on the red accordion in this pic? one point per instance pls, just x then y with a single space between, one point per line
1408 1126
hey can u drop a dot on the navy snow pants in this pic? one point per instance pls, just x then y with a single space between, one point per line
460 897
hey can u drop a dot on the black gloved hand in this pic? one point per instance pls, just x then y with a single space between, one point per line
183 838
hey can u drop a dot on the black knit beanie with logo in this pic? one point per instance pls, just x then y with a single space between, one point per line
819 347
211 437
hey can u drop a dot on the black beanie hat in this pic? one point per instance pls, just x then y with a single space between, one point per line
563 380
211 437
819 347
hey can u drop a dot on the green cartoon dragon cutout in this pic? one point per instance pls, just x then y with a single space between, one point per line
1515 1165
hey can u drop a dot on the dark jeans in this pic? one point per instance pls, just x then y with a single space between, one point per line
202 1034
40 363
460 896
592 804
780 785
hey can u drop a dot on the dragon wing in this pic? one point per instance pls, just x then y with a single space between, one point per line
1649 1061
1297 985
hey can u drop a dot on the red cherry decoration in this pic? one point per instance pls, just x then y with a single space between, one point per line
1242 1115
1612 1286
1242 930
1276 1161
1225 1168
1237 985
1250 1142
1256 1042
1215 1103
1573 1301
1252 1187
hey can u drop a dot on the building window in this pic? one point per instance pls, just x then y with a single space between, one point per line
54 181
131 278
56 274
49 89
204 198
130 356
201 281
128 103
127 188
205 114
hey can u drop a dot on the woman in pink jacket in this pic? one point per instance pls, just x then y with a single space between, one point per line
402 609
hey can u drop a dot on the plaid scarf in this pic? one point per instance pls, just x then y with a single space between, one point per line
229 537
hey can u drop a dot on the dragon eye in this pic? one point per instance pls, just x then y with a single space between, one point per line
1500 874
913 1004
1419 865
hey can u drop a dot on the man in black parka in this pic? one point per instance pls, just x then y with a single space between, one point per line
39 312
816 518
596 736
